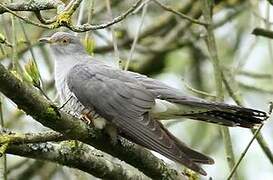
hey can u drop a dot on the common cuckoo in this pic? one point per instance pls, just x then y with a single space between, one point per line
133 103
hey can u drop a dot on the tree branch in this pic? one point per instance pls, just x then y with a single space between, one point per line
83 158
32 5
10 137
88 27
263 32
64 18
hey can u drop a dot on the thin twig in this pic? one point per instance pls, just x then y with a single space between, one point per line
244 153
25 18
81 12
255 88
30 49
259 136
43 20
207 13
14 56
88 27
90 16
254 74
114 39
255 135
270 50
180 14
144 10
263 32
4 171
72 7
196 91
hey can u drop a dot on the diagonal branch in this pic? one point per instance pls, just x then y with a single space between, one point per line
183 16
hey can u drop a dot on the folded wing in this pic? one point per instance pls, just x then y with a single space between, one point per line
122 100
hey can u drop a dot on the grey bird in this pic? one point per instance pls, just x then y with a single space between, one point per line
133 103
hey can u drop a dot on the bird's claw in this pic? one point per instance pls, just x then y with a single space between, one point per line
87 117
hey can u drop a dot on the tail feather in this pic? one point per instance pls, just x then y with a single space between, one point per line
224 114
230 115
200 109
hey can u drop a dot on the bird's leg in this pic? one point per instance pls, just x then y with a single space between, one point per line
87 117
111 130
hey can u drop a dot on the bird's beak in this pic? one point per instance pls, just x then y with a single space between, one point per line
45 40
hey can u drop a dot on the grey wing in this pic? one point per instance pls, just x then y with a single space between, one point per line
120 99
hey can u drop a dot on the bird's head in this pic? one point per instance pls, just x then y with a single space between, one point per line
63 43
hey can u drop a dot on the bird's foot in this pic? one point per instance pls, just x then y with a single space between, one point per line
85 119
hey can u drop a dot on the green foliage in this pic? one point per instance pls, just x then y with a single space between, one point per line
89 45
2 38
32 74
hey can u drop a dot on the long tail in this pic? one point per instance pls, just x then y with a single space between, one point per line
230 115
227 115
196 108
219 113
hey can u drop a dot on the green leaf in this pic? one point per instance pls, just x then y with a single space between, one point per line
27 78
89 45
2 38
120 34
33 73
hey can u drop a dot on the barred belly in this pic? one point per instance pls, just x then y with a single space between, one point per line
73 106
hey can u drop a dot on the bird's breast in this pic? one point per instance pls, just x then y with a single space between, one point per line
68 98
74 106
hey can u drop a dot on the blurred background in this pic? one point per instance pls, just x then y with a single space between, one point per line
165 46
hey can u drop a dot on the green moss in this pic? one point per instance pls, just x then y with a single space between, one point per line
63 18
191 174
5 139
50 112
3 148
69 143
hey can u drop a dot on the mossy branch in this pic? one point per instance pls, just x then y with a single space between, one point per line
84 158
32 5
